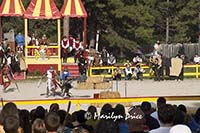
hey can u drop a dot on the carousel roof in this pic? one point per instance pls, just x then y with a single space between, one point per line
42 9
11 8
73 8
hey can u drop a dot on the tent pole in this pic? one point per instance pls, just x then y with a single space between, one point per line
1 29
85 35
26 37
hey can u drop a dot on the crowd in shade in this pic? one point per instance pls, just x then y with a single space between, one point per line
147 117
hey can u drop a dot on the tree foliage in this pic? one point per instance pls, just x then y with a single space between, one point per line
124 25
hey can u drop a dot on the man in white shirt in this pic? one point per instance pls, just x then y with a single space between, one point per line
166 114
196 59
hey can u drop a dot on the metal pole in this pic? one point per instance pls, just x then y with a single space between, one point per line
97 40
116 84
125 89
167 24
199 29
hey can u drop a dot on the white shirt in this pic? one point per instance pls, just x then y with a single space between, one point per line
161 130
196 59
128 71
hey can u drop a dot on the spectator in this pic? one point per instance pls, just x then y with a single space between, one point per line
62 114
138 72
52 122
20 40
54 107
196 59
120 111
39 113
166 115
93 121
117 74
137 59
179 117
38 126
111 60
136 121
107 125
128 72
151 122
11 124
127 63
104 56
160 101
157 49
79 120
25 122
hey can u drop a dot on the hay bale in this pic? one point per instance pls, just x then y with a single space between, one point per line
84 85
103 85
95 79
109 94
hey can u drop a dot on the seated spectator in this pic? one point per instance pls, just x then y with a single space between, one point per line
34 40
166 115
11 125
107 125
136 124
138 72
120 111
52 122
111 60
137 59
25 122
93 121
151 122
128 73
160 102
79 121
117 74
127 63
54 107
38 126
196 59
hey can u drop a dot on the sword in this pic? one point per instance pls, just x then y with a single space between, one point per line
39 83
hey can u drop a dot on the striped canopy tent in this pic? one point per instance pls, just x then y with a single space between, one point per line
12 8
42 9
75 8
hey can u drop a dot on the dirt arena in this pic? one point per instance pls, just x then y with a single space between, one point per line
28 90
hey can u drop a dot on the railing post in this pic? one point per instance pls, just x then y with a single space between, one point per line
78 106
197 71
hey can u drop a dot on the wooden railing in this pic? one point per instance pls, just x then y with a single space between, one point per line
108 71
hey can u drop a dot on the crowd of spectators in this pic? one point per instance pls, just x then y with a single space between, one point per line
144 118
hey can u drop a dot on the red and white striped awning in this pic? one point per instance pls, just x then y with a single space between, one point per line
73 8
12 8
42 9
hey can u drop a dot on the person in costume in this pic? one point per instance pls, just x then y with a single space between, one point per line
5 77
52 83
64 47
66 79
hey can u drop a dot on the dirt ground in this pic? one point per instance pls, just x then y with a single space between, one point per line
28 90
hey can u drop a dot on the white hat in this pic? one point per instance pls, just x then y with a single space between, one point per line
180 129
